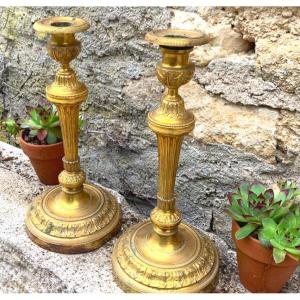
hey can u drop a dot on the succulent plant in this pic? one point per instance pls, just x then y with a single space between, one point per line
251 203
11 127
42 128
284 236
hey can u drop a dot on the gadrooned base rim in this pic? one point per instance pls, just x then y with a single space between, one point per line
77 244
128 284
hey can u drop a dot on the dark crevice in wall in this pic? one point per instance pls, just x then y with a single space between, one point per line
3 95
141 204
211 223
251 47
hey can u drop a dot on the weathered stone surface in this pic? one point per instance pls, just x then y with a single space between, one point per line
113 53
24 267
225 40
275 32
190 21
19 275
278 61
218 15
217 121
235 79
288 136
261 22
254 22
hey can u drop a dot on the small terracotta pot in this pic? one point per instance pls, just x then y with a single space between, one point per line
45 159
257 269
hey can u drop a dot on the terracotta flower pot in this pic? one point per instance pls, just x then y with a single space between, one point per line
45 159
257 269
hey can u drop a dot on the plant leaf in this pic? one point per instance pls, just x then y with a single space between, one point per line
275 244
290 195
235 216
51 137
245 231
293 251
24 126
54 124
31 124
295 242
269 224
279 197
292 221
56 131
279 213
244 187
258 189
33 132
296 193
53 109
266 233
35 116
11 127
81 122
279 255
42 133
264 238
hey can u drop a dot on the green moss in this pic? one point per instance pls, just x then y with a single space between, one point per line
3 137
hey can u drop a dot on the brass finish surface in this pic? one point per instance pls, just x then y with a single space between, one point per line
75 216
64 25
177 38
163 254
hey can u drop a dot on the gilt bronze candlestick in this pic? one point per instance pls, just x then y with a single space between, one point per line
163 254
75 216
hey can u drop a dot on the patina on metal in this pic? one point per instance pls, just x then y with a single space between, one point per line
163 254
75 216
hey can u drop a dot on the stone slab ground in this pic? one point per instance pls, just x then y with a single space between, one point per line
24 267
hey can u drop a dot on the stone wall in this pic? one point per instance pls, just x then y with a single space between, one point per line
245 96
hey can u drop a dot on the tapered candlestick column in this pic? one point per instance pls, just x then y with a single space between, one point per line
163 254
75 216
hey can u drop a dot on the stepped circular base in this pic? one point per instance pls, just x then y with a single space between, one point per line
73 227
140 264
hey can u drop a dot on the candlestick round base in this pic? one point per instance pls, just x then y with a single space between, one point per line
80 224
142 262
